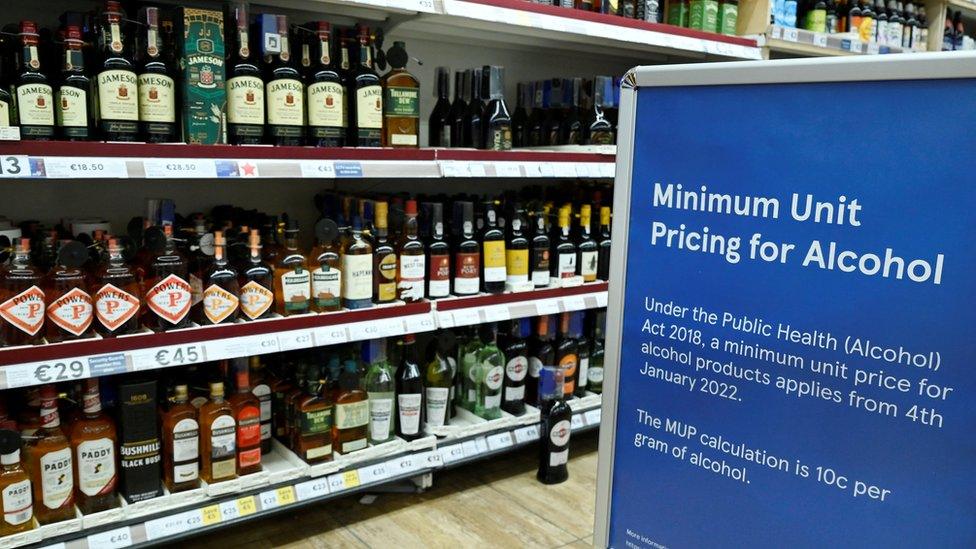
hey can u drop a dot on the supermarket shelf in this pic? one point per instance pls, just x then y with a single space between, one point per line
69 361
968 8
288 483
74 160
807 43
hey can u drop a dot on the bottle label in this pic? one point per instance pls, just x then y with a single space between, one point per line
595 375
313 453
245 100
517 266
35 105
467 278
249 436
500 138
218 303
437 405
409 410
559 434
588 263
25 310
326 104
186 447
72 312
493 401
157 98
353 445
357 276
263 393
540 268
402 102
255 299
386 287
316 421
584 366
558 458
96 467
412 268
72 107
567 265
568 365
535 366
380 411
352 415
517 368
295 289
4 114
17 504
114 307
494 258
494 377
117 95
223 444
57 478
513 394
286 102
369 107
170 298
439 276
326 286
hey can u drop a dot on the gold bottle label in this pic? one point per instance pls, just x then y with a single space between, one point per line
35 104
72 107
245 100
326 104
157 100
286 102
117 95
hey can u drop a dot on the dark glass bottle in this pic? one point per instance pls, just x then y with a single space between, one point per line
473 129
539 263
552 125
599 130
326 95
409 392
577 332
157 89
221 290
117 85
35 100
571 132
456 116
365 103
520 117
438 256
493 272
567 355
245 84
534 132
7 108
517 247
564 260
467 253
438 382
384 258
594 374
256 282
169 294
497 120
515 347
541 353
284 93
439 127
555 427
74 115
603 245
411 258
587 249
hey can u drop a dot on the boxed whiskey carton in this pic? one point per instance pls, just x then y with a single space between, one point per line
200 43
139 445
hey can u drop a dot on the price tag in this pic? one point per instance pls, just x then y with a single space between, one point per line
452 453
179 168
210 515
67 167
775 32
403 464
791 35
255 345
499 441
873 48
426 6
350 479
312 489
450 168
608 169
360 331
373 473
577 422
15 165
268 499
318 168
331 335
574 303
298 339
420 323
445 319
173 524
430 459
527 434
546 170
532 169
820 40
229 510
481 444
592 417
466 317
477 170
497 313
392 327
470 448
39 373
547 307
337 483
593 170
601 299
246 506
507 169
285 495
174 355
564 169
119 537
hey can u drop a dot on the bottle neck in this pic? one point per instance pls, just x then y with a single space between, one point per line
410 226
243 382
325 51
92 403
31 57
74 61
112 35
365 53
291 240
49 412
11 460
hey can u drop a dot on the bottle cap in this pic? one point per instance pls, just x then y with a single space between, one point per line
381 209
216 388
326 230
292 226
9 446
550 382
357 223
443 81
397 55
180 392
410 208
73 254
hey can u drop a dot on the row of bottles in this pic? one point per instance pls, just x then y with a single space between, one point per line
642 10
896 24
954 37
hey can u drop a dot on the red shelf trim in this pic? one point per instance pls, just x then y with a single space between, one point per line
521 156
594 17
502 299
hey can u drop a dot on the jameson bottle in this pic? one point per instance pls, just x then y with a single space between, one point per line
467 253
245 85
75 120
284 93
326 96
256 281
555 427
462 89
380 388
117 84
401 102
494 271
35 100
169 295
497 120
439 125
292 279
384 259
410 392
438 256
603 245
365 102
157 91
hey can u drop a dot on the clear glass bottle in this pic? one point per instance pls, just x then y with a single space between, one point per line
22 301
48 461
15 487
380 390
169 296
218 437
181 442
256 282
221 292
357 269
438 380
69 310
292 279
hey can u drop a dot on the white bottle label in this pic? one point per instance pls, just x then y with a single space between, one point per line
4 114
72 312
517 368
436 405
465 286
223 440
540 278
357 276
157 98
584 366
286 102
296 286
186 440
535 366
558 458
350 416
595 375
369 107
17 505
493 401
35 104
412 271
559 434
409 409
263 392
588 261
494 377
170 298
114 307
57 478
25 310
325 104
96 466
72 107
245 100
326 284
567 265
514 393
117 95
380 412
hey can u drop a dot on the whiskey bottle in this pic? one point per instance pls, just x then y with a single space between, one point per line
15 487
594 374
497 120
256 281
553 105
520 117
473 126
572 125
564 249
438 256
346 79
365 103
599 130
488 374
514 347
169 296
280 388
326 260
603 252
459 108
292 280
350 431
22 301
567 357
262 391
218 436
313 420
221 289
69 310
467 253
437 386
493 272
439 125
357 269
48 461
245 85
411 258
157 90
384 258
410 392
74 117
539 260
35 100
380 388
326 95
541 353
8 110
93 441
247 414
555 427
117 85
577 331
401 104
181 443
284 92
586 248
517 248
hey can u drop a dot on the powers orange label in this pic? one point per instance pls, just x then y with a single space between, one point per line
170 298
114 307
25 310
72 312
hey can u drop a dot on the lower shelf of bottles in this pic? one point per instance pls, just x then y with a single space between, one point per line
287 482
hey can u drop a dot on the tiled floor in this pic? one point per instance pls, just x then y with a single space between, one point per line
495 503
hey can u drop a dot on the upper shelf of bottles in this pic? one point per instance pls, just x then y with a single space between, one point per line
546 25
803 42
75 159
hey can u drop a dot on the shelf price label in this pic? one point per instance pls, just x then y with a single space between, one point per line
403 464
577 422
173 524
318 168
331 335
574 303
15 165
299 339
477 170
312 489
179 168
268 499
430 459
527 434
547 306
285 495
176 355
67 167
564 169
420 323
210 515
592 417
452 453
601 299
426 6
470 448
466 317
507 169
499 441
497 313
361 331
110 539
373 473
820 40
47 372
790 35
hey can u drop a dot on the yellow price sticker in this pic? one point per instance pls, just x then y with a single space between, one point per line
351 479
246 506
286 495
211 515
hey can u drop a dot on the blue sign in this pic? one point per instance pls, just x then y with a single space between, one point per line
798 359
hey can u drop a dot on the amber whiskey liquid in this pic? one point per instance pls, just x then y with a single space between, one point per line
181 443
218 436
48 461
93 442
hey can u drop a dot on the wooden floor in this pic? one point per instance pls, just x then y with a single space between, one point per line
495 503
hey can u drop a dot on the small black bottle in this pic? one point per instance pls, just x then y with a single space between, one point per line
409 392
514 346
555 427
439 126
